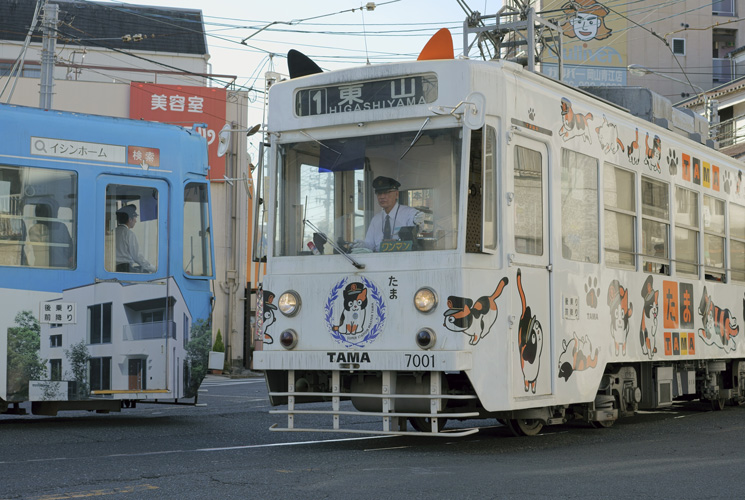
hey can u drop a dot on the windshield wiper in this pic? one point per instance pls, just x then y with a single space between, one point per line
416 138
334 245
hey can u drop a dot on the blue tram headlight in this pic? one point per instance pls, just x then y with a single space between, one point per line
289 303
425 300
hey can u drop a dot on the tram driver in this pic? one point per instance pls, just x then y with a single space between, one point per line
385 226
128 256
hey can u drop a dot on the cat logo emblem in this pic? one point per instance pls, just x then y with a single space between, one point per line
355 312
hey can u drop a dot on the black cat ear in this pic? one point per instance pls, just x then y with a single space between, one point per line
301 65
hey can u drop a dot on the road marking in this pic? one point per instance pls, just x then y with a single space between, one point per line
96 493
200 450
389 448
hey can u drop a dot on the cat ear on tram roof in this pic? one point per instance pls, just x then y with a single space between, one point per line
301 65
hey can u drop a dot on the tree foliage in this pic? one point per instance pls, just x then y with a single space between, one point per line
218 346
197 355
78 356
24 363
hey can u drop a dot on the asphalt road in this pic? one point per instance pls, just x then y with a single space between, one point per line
225 450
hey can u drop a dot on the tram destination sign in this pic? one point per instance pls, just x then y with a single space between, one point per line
363 96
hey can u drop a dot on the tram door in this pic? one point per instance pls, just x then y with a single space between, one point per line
530 260
132 308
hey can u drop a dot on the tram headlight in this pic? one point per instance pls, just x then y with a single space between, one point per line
426 338
425 300
289 303
288 338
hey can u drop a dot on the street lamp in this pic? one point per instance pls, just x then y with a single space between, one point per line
640 70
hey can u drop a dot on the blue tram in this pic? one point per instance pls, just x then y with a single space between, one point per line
106 261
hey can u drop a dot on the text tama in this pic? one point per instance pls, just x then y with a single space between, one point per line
348 357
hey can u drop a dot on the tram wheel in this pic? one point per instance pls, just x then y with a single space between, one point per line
717 404
424 424
524 427
602 425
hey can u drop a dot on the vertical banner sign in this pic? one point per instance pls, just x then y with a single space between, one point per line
183 105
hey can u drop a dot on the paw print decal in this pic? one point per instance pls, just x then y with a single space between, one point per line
531 114
727 181
593 291
672 162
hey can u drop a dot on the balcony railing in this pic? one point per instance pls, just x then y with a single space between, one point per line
148 331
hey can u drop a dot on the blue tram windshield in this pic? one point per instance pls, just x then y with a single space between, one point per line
332 184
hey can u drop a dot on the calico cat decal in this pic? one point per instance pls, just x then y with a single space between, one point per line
719 325
574 124
648 328
652 155
620 312
633 150
608 137
268 316
530 341
352 320
576 356
463 311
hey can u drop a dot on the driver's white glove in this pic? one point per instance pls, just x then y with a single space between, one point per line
419 218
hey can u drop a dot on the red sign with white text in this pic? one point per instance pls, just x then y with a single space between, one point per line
183 105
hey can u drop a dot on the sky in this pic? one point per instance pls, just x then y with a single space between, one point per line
334 33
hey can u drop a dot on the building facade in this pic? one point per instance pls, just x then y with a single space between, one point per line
145 63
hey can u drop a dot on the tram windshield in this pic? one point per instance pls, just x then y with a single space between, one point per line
343 189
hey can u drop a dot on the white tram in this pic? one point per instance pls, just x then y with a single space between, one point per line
572 261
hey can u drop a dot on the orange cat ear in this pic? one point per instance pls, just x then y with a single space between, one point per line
440 46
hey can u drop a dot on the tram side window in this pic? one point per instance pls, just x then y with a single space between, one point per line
737 241
197 235
131 244
481 219
579 207
655 226
686 232
38 210
528 178
713 212
619 191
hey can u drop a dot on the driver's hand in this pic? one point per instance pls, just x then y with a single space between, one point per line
419 218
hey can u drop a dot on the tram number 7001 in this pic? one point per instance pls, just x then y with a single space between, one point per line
420 360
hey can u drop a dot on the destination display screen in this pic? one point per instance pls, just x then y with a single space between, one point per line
361 96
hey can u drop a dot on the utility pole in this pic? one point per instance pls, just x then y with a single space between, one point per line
49 32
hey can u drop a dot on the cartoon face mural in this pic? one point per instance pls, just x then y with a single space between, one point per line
576 356
648 328
474 319
620 312
267 315
720 326
585 20
355 312
530 342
